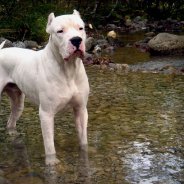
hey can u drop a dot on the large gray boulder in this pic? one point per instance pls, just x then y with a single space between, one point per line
165 43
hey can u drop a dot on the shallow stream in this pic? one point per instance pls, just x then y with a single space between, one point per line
135 132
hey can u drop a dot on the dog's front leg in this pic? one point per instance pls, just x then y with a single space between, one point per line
47 126
81 120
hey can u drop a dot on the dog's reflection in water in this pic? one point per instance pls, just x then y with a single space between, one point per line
82 173
49 174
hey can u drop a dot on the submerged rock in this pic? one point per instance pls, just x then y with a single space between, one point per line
166 44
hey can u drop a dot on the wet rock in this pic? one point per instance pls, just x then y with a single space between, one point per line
112 41
119 67
165 67
169 69
2 39
111 27
90 44
137 24
150 34
142 45
168 25
141 25
137 19
115 42
43 44
19 44
31 44
125 67
100 27
165 43
8 43
112 34
88 59
103 66
109 49
102 61
103 43
112 38
112 65
128 22
97 49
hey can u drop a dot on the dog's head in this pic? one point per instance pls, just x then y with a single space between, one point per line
67 34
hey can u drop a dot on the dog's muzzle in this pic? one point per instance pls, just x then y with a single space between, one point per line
77 48
76 41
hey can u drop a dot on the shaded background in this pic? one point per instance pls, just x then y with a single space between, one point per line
28 17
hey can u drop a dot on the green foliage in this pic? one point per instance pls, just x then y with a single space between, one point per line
29 17
37 27
29 21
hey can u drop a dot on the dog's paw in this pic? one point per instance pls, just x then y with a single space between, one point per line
51 160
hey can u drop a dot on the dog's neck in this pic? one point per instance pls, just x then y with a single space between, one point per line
69 67
54 51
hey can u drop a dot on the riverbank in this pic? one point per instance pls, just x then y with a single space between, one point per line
161 65
125 52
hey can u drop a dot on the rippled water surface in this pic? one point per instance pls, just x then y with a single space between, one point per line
136 135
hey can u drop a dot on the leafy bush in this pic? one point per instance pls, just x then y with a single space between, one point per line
28 21
29 17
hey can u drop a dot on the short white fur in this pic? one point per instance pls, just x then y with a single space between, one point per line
52 78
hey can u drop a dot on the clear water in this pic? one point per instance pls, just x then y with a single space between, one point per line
135 132
129 54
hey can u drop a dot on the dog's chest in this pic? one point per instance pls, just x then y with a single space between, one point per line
67 96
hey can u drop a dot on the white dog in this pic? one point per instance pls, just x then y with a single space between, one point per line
51 78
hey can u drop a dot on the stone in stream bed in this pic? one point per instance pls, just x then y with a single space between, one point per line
8 43
166 44
165 67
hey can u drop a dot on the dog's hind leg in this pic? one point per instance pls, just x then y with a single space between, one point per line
2 85
17 105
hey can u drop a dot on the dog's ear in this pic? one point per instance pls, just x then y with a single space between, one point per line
50 19
75 12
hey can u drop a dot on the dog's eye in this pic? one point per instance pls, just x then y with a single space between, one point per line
60 31
81 28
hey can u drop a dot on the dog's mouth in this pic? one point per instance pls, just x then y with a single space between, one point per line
78 51
76 54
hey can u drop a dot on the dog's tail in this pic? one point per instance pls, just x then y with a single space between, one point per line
2 44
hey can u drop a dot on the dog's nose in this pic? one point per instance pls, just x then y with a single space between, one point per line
76 41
